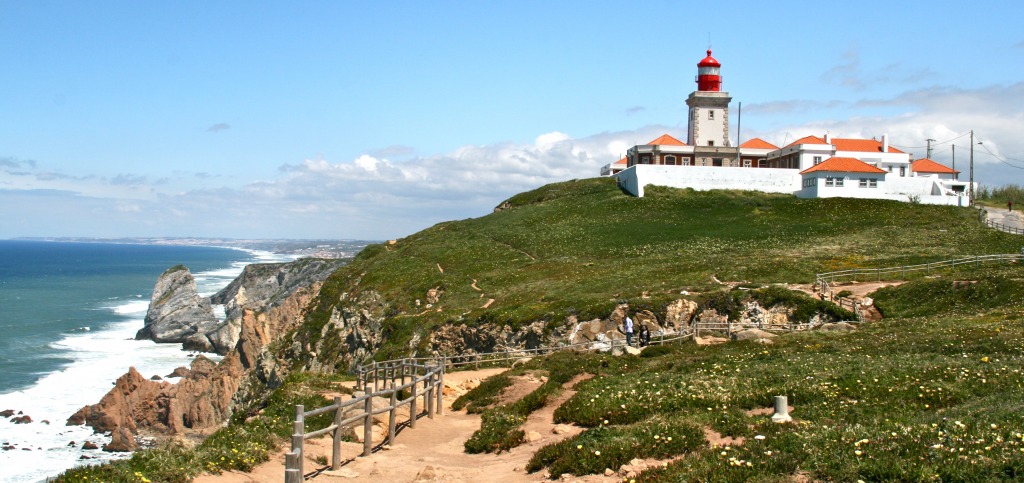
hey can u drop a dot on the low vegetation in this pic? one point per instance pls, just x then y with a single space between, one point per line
244 443
580 247
912 398
932 392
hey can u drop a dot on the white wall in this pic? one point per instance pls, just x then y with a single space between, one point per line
703 178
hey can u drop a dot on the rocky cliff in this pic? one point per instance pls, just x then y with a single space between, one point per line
177 313
262 304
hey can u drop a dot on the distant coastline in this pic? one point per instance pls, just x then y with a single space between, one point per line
318 248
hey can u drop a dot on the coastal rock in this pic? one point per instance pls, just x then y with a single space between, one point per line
209 392
23 419
262 287
121 441
6 413
89 445
177 312
178 372
752 334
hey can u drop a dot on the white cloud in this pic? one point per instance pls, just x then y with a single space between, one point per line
375 196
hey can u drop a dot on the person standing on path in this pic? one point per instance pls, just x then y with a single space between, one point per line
1009 205
627 327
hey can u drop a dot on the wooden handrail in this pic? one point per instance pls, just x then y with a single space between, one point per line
432 380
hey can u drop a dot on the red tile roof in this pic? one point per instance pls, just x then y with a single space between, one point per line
807 140
666 140
861 145
925 165
843 165
621 161
758 143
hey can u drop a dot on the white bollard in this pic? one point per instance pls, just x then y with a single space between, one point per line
781 410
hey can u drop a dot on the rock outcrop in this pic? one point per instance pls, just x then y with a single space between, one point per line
200 400
177 313
264 303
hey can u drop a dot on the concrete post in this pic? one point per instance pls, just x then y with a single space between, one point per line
781 410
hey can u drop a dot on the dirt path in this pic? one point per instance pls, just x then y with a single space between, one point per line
433 451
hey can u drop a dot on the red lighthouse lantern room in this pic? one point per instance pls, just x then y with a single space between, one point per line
709 77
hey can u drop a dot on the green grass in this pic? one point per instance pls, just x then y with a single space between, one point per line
932 392
911 398
579 247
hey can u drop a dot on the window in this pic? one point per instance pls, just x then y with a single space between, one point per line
645 159
863 183
716 161
872 183
762 163
670 160
711 143
817 160
903 171
830 181
686 161
839 182
746 163
810 182
711 114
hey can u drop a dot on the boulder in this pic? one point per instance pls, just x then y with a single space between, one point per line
752 334
838 326
176 311
121 441
23 419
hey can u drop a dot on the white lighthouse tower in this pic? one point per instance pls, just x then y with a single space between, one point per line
709 115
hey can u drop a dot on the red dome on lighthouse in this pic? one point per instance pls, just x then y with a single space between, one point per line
709 76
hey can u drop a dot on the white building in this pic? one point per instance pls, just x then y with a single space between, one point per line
809 167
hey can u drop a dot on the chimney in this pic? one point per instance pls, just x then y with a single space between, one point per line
885 143
827 141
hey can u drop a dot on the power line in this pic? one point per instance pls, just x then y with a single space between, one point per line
934 143
1001 160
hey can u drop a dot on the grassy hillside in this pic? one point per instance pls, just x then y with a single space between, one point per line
579 247
931 393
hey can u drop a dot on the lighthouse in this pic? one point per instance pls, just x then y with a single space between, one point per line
709 75
708 126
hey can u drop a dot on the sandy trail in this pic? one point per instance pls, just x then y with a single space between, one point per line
432 452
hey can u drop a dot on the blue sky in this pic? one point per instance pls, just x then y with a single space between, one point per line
372 120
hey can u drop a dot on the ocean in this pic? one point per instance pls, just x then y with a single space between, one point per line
68 317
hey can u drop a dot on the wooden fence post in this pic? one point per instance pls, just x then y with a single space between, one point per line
336 443
294 471
412 404
368 421
429 395
392 415
440 387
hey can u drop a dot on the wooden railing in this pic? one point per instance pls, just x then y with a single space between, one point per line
1005 228
428 375
826 280
378 373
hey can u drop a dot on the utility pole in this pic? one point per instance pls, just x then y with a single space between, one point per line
972 167
739 126
929 141
955 175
